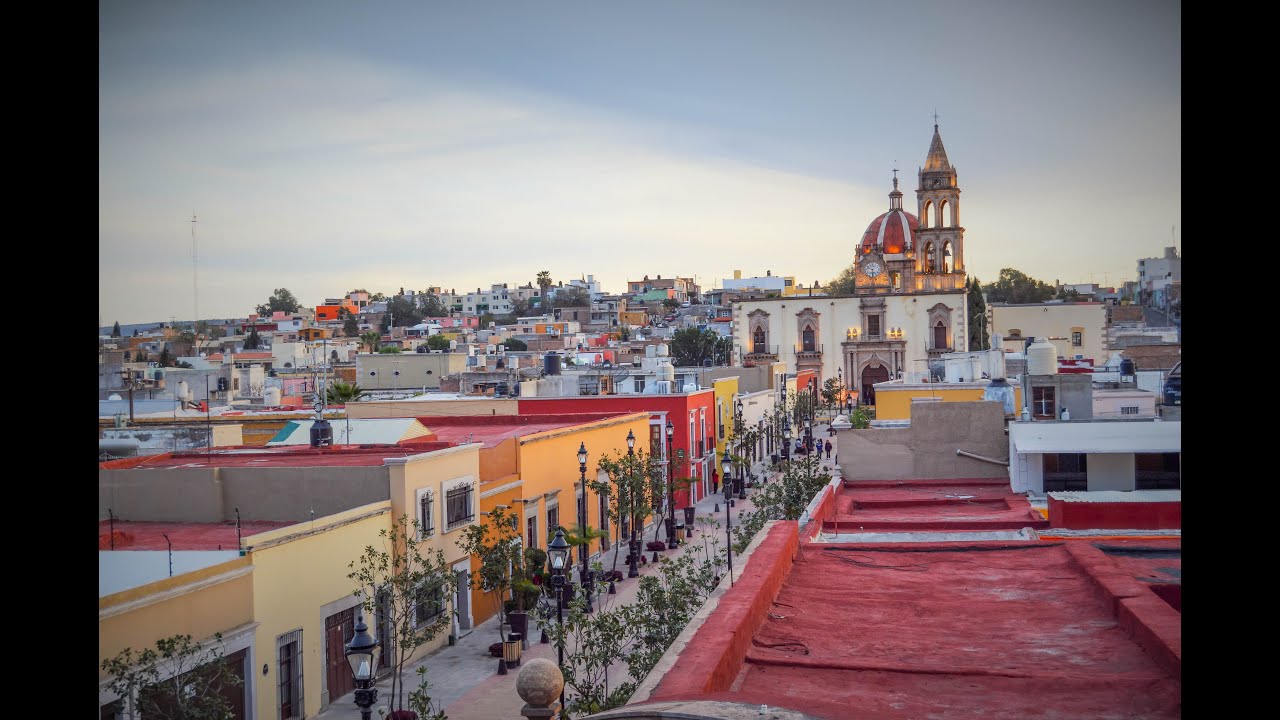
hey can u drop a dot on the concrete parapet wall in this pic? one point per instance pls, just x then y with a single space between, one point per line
927 449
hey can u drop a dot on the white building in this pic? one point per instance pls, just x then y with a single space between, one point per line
1155 275
1049 456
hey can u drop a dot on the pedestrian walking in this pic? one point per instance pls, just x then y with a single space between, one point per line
828 449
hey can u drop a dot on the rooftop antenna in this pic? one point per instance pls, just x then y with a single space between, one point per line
238 544
166 539
112 526
195 287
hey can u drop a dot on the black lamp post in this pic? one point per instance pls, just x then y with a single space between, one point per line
588 585
726 464
808 434
786 440
558 556
737 429
633 570
671 488
362 655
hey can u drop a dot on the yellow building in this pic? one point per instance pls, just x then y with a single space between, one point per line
1074 328
726 393
529 465
894 399
305 516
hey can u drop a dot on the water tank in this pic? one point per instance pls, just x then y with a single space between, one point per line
271 396
706 362
1042 357
999 389
663 350
689 387
667 372
183 392
551 364
1128 368
650 350
321 434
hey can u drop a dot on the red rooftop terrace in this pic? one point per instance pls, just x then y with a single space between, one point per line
1085 628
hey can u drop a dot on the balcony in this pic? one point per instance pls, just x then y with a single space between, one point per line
759 355
813 353
934 283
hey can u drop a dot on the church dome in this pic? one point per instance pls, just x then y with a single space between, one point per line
892 232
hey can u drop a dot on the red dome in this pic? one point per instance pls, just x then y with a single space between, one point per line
892 232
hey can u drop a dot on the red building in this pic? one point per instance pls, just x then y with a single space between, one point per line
693 421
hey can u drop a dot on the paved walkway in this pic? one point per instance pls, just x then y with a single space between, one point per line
464 677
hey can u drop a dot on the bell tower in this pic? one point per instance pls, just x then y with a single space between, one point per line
939 237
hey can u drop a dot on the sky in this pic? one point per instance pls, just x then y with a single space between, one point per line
325 146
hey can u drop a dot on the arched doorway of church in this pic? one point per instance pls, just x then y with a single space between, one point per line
871 376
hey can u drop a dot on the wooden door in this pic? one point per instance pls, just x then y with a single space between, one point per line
338 629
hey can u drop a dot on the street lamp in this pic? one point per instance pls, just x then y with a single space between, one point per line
633 570
808 435
558 556
671 488
362 656
587 584
726 463
786 439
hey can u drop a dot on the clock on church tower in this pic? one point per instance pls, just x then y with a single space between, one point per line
871 269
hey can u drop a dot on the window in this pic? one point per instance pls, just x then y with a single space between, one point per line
1077 338
426 514
458 506
939 336
553 520
639 385
758 341
429 604
531 531
1157 471
1044 402
808 339
1129 410
289 672
1065 471
873 326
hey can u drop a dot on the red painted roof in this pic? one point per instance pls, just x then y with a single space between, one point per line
493 429
136 535
1004 630
890 232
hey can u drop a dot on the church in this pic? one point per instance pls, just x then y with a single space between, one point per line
908 307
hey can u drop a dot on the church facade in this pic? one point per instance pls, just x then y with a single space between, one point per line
909 302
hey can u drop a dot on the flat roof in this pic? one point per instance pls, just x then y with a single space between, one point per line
150 535
1096 437
119 571
490 430
281 456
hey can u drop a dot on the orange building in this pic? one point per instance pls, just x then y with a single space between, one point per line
332 312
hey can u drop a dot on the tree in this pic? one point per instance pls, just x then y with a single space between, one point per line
280 301
253 341
371 340
408 589
785 499
401 311
514 344
377 297
572 297
624 332
832 392
438 342
166 357
431 306
1015 287
192 692
631 493
115 330
341 393
544 284
844 283
1068 294
979 338
350 323
389 350
690 346
495 542
671 303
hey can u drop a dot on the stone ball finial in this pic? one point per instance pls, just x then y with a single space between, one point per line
540 682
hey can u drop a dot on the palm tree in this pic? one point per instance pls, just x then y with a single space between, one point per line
341 393
371 339
544 282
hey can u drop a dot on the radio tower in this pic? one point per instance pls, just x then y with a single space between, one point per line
195 287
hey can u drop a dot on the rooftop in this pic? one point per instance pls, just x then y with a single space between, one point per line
1097 437
490 430
282 456
138 535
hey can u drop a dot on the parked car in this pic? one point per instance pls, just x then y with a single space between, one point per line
1173 386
